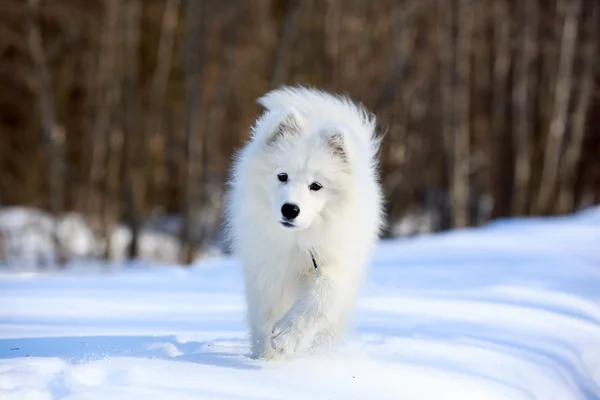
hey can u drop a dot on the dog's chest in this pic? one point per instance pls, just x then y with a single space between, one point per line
293 266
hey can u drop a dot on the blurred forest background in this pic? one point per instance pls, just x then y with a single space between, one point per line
126 112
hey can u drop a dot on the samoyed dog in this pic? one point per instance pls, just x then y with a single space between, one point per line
303 212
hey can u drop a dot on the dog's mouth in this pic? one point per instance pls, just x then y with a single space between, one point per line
288 224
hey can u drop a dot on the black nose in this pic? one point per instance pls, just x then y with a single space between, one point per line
290 211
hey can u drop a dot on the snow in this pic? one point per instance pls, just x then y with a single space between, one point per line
507 311
26 236
26 239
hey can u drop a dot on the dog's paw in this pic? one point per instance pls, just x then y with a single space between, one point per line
285 337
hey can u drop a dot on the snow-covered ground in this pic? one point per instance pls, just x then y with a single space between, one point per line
509 311
26 239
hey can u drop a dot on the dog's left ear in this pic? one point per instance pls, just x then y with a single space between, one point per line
336 142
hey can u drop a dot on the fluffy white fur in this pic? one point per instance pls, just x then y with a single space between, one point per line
311 136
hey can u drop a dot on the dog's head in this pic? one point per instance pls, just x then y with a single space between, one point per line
307 167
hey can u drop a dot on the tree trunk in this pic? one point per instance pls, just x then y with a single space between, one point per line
332 40
53 134
106 100
215 166
446 48
284 45
481 101
160 80
564 82
462 149
135 135
584 96
501 68
193 141
527 16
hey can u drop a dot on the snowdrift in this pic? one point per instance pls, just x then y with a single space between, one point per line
508 311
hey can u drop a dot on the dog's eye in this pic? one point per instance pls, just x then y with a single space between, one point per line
283 177
315 186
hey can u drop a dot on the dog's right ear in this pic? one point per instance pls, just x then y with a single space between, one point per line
290 123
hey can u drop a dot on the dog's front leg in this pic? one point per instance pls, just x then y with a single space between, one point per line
316 304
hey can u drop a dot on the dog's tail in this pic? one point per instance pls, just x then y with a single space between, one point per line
335 108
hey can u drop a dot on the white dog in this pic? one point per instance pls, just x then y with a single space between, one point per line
303 212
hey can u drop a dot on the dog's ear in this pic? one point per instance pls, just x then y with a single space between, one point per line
336 142
290 123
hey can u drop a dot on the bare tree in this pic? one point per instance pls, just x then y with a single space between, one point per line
193 150
284 46
160 80
115 139
501 67
332 38
446 46
558 126
480 110
397 97
214 163
583 99
53 134
105 99
462 146
527 17
135 137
